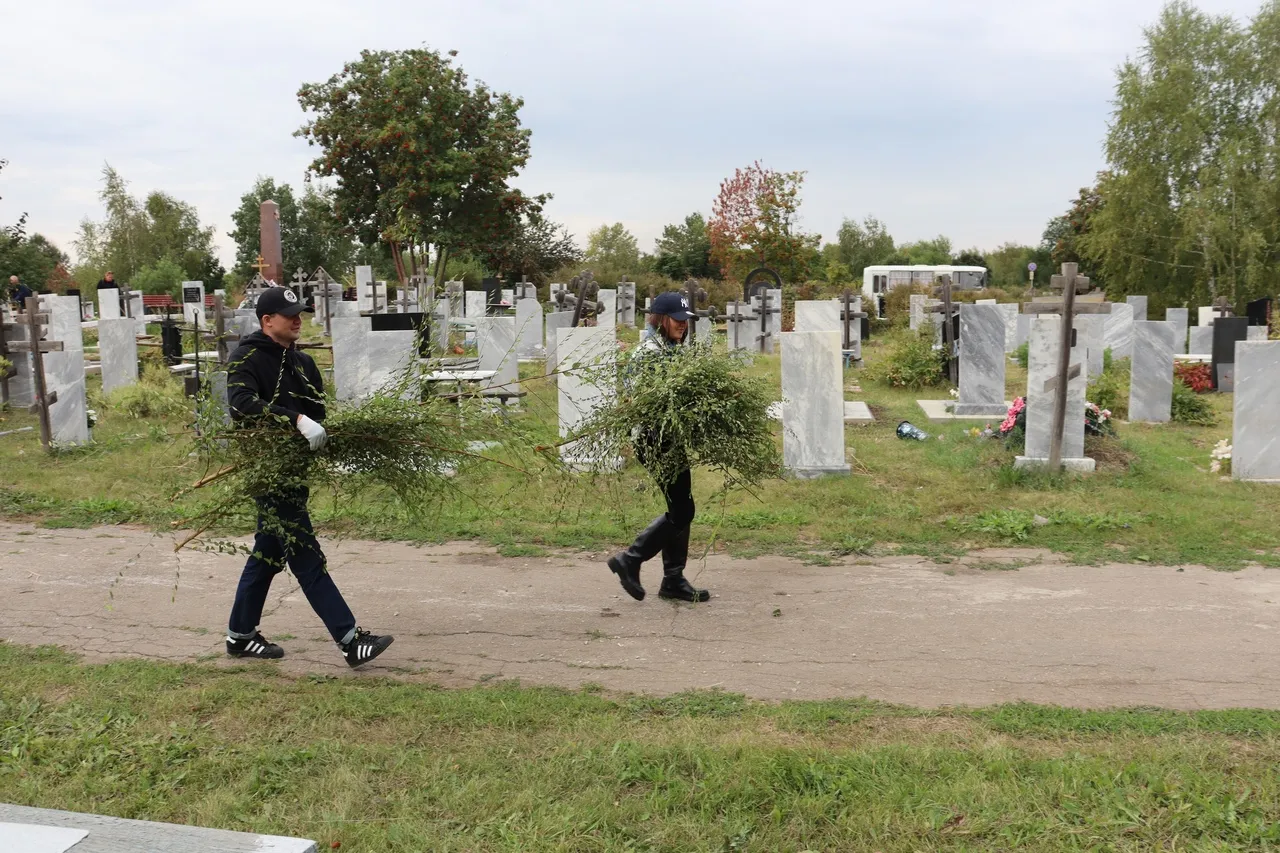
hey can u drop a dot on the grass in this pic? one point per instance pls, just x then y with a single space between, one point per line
1152 496
375 765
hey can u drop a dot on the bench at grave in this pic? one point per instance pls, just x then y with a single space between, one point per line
31 830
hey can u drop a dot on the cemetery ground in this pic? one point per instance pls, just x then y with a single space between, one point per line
957 573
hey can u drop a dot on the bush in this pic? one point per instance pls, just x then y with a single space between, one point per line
897 304
1189 407
1022 354
910 361
1110 390
1197 377
155 395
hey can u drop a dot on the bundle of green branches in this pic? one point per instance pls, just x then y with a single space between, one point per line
687 407
393 441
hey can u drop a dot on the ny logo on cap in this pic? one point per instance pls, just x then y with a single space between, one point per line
684 303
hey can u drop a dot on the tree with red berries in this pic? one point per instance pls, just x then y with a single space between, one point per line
421 156
754 222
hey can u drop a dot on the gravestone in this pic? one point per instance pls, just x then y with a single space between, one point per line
582 351
1227 332
64 371
626 303
1139 304
817 315
118 351
529 324
137 311
193 303
474 303
920 307
982 361
1257 333
813 404
1258 311
1201 340
742 326
1151 380
556 321
496 341
1119 331
455 292
1255 429
1205 315
773 319
109 303
351 377
1023 331
1042 376
1091 334
1009 311
1179 318
607 313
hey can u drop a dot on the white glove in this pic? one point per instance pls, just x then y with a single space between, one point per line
312 432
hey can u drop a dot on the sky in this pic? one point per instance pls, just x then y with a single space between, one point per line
976 119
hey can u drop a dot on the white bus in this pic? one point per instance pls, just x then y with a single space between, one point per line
878 281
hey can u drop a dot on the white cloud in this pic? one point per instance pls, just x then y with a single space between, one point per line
975 119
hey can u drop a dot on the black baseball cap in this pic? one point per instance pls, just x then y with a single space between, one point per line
280 300
673 304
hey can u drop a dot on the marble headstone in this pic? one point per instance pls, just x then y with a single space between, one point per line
813 404
626 303
1255 434
389 354
607 318
982 361
579 392
109 303
1139 304
1091 335
742 330
1119 331
1256 333
1023 332
137 311
1204 315
193 302
1151 382
64 371
474 303
773 320
1201 340
496 340
529 328
1178 317
118 351
1042 366
817 315
555 322
351 379
1009 311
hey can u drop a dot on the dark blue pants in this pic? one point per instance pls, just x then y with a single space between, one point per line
285 536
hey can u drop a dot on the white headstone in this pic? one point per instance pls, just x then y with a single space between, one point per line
1151 379
118 352
1119 331
137 310
1009 311
607 318
555 321
982 361
193 302
351 377
1042 366
109 303
64 371
496 341
389 355
1139 304
1204 315
583 350
474 303
1256 420
1178 316
813 404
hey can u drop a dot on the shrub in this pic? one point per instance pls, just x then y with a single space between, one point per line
1189 407
1022 354
897 304
155 395
910 361
1110 390
1197 377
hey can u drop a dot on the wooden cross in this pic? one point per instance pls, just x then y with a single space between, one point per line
328 311
847 316
1070 283
584 288
1222 307
221 337
694 294
949 312
44 398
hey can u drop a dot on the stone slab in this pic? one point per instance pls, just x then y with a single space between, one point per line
351 380
1257 333
1255 436
1072 465
1119 331
529 330
496 341
109 303
554 322
1179 318
1139 304
1201 340
982 362
103 834
118 351
813 410
941 410
856 412
64 371
582 351
1042 366
1151 379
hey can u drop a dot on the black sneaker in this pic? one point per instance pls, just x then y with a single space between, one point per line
256 646
364 647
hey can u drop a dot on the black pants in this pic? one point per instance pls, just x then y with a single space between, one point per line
669 532
300 549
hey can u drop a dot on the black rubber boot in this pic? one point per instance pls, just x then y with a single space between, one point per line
674 585
626 564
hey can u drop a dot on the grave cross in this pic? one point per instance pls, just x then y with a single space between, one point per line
1222 308
949 311
693 294
847 316
1071 283
34 344
222 338
260 265
584 290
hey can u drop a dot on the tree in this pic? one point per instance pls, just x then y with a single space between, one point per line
613 248
863 245
754 221
1065 236
970 258
684 250
935 252
419 155
138 233
536 249
310 234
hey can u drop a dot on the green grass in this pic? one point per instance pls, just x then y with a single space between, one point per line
383 766
1152 496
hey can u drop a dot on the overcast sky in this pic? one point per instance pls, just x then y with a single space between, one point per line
977 119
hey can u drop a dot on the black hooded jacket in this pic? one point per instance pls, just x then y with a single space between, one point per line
264 376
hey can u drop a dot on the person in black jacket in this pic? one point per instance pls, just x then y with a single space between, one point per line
270 381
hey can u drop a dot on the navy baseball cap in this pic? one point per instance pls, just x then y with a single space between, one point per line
279 300
673 304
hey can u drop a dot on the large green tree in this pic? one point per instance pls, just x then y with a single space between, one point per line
1192 192
139 233
535 249
865 244
421 157
310 233
684 250
755 220
613 249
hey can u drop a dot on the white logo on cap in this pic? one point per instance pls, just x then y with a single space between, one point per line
684 303
290 296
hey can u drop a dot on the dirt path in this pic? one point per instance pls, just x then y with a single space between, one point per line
902 630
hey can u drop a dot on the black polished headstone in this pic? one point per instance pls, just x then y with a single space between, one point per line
1258 312
1227 331
408 322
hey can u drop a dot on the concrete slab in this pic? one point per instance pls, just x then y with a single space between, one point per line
858 413
936 410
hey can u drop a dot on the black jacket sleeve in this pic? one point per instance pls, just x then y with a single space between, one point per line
316 380
251 384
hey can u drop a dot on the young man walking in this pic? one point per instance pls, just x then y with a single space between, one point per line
271 381
669 316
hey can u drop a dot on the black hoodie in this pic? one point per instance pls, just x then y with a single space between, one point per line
264 376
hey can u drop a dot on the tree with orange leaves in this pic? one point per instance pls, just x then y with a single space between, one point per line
754 222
